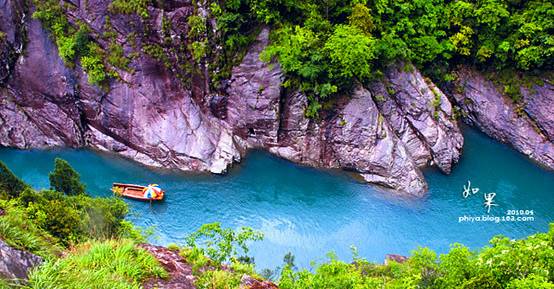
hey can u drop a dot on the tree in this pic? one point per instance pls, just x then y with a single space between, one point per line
351 52
10 183
361 18
65 179
223 244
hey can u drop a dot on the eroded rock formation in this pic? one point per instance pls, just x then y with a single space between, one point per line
485 107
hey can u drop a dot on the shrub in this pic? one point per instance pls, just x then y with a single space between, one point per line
223 244
218 279
9 182
139 7
72 219
526 263
19 231
65 179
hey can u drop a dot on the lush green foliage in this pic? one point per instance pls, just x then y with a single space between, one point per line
10 184
108 264
223 244
140 7
64 218
47 222
21 232
325 47
526 263
212 246
74 218
73 43
65 179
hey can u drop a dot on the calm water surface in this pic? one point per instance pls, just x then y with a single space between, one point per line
311 212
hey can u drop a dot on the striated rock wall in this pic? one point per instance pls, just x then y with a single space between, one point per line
486 108
386 130
386 145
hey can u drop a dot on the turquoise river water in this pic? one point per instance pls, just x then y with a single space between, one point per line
310 212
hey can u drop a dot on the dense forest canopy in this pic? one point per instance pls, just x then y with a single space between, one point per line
325 45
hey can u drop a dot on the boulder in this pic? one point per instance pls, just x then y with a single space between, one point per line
16 264
421 115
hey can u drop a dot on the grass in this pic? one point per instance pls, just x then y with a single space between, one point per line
114 264
18 231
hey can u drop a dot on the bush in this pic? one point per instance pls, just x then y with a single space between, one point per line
19 231
65 179
526 263
223 244
10 183
72 219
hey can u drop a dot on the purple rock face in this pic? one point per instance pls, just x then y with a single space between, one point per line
39 107
254 95
421 115
15 264
485 107
356 138
540 107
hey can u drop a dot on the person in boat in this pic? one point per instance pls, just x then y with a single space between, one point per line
151 191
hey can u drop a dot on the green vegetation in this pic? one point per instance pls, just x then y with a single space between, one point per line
526 263
325 47
212 246
65 179
101 244
223 244
506 263
140 7
95 264
73 43
10 184
63 216
21 232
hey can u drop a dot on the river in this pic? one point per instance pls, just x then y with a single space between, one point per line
310 212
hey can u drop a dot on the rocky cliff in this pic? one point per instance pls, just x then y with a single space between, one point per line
386 130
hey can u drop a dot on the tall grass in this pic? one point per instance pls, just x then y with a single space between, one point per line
18 231
109 264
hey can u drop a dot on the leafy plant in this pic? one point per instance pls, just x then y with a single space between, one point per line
9 182
223 244
65 179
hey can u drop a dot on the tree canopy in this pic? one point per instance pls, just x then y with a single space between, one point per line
325 46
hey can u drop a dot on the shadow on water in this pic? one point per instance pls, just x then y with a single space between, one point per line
311 212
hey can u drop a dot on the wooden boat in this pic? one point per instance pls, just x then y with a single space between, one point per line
137 192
